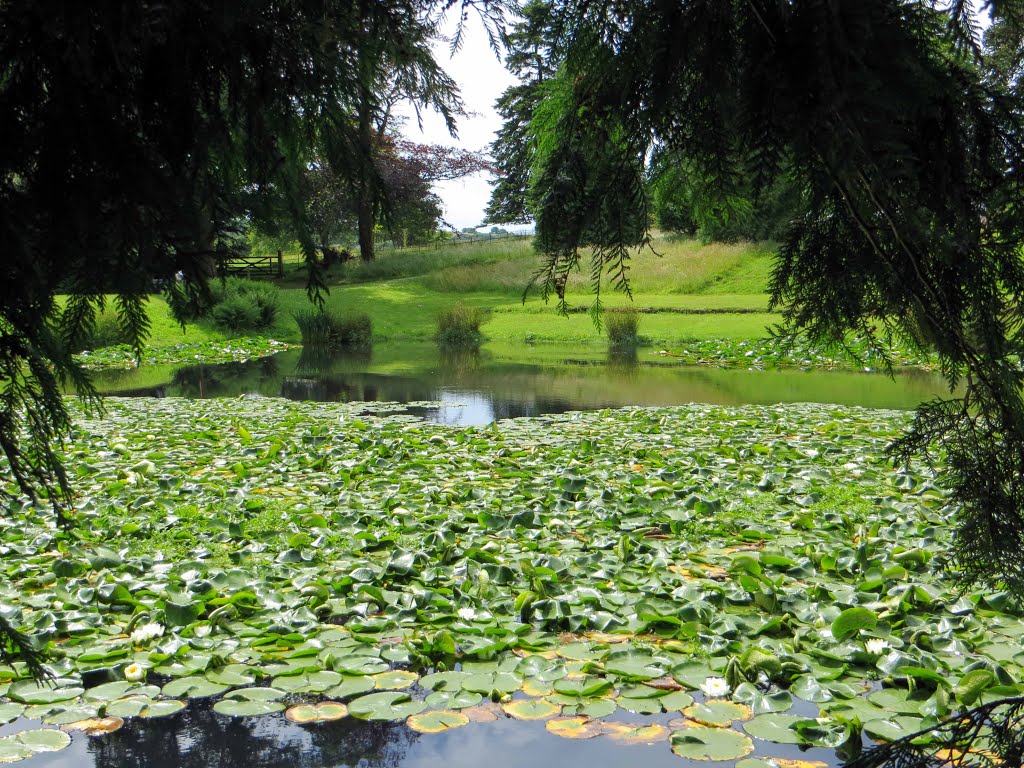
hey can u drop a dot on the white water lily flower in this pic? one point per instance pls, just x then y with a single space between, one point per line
134 673
715 687
147 632
466 613
876 646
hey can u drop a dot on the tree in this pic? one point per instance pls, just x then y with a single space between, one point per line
908 154
395 62
531 57
136 135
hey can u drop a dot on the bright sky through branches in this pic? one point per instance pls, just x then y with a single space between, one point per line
482 78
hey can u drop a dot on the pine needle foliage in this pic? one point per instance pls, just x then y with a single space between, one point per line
989 736
906 147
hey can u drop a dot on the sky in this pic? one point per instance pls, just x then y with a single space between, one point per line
482 78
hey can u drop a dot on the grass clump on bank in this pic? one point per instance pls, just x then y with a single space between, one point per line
327 330
622 326
459 326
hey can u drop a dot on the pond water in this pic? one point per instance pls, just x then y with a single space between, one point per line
474 389
197 737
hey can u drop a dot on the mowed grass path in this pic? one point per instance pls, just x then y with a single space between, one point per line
685 289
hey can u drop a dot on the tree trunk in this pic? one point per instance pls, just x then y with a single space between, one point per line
366 225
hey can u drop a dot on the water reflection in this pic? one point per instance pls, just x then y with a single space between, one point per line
478 387
197 737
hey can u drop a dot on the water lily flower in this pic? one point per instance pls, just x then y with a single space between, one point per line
715 687
147 632
466 613
134 673
876 646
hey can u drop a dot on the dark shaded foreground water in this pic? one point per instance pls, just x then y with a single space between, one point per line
463 389
197 737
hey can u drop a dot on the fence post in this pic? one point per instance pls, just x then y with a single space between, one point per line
280 264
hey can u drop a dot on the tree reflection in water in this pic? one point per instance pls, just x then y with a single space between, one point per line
197 737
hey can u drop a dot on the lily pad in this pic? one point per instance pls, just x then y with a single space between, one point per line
95 726
144 707
194 687
853 620
394 681
760 702
630 733
489 683
437 721
389 705
324 711
453 699
708 743
531 709
246 708
717 713
31 692
774 727
574 727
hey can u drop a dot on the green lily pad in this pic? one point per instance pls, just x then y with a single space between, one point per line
893 728
350 685
388 705
246 708
489 683
853 620
453 699
232 674
774 727
308 682
436 721
256 694
717 714
394 681
639 706
193 687
706 743
760 702
31 692
438 681
10 711
144 707
676 701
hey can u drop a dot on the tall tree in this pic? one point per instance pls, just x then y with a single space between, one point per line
531 57
911 224
395 63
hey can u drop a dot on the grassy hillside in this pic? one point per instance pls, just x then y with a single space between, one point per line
685 289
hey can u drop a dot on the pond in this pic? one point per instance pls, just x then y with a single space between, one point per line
813 460
474 389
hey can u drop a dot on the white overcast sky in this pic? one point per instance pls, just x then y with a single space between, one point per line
482 78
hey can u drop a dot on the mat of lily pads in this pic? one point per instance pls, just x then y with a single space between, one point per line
732 567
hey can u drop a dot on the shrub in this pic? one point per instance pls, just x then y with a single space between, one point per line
622 327
235 313
263 300
459 326
323 329
108 332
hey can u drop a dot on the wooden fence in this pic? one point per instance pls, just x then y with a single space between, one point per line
254 266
